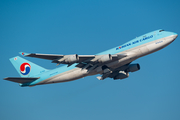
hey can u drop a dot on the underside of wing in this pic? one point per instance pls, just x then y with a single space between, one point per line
21 79
120 72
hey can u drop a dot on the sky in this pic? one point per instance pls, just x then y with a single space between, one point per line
87 27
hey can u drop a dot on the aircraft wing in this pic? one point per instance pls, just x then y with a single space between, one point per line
42 56
71 59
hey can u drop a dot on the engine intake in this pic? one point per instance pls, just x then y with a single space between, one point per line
69 59
133 68
121 75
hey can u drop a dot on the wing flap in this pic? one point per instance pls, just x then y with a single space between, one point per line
21 79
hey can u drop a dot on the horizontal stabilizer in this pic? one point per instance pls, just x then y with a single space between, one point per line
21 79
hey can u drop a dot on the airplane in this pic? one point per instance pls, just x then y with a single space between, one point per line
114 63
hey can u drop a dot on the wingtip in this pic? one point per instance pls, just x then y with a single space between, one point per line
5 78
23 53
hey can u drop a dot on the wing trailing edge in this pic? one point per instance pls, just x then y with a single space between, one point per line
21 79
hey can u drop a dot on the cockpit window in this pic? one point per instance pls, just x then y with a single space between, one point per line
161 30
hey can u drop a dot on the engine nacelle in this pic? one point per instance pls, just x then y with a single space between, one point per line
70 59
133 68
105 58
121 75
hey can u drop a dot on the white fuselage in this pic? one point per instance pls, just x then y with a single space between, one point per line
132 54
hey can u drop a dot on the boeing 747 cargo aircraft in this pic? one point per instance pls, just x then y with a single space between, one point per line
115 63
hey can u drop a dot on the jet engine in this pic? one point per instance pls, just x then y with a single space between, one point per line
133 68
121 75
105 58
69 59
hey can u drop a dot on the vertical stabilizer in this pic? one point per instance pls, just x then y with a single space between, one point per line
26 68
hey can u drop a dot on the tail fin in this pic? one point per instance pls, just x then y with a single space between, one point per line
26 68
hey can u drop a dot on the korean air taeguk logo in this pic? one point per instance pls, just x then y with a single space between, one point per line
25 68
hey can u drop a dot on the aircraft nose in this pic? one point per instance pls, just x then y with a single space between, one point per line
174 36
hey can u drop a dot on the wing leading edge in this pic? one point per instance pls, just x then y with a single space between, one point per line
71 59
